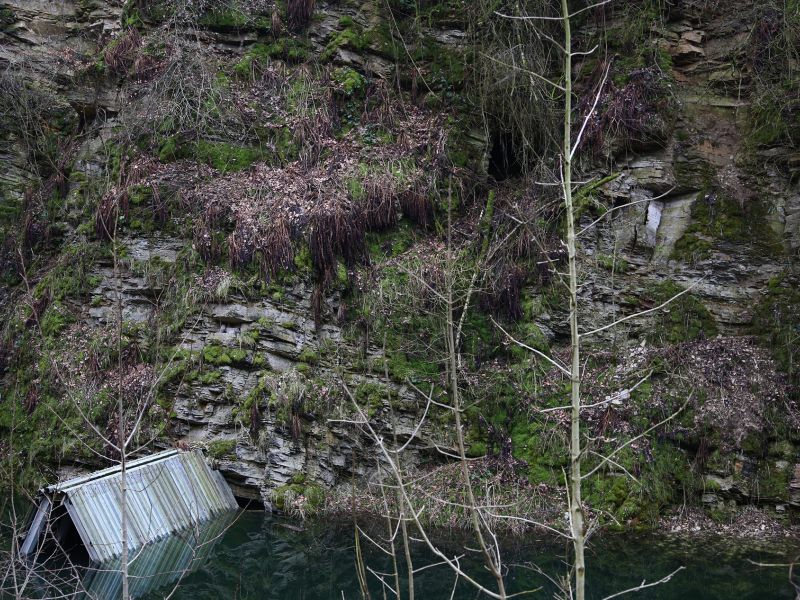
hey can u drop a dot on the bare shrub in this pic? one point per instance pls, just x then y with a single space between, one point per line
507 52
626 115
181 97
112 205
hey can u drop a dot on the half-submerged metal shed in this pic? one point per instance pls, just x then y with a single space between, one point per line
167 492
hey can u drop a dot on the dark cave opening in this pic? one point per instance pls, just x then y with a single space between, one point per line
504 161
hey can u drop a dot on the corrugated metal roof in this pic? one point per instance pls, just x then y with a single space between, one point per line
166 493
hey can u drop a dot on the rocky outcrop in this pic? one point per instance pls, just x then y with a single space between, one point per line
675 229
695 205
264 337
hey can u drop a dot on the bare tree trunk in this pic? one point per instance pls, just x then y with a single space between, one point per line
122 433
406 547
491 558
575 507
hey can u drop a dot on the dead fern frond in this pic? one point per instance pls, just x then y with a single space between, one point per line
120 55
299 13
275 247
380 212
416 204
335 229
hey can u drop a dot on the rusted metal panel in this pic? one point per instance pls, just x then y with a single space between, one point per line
166 493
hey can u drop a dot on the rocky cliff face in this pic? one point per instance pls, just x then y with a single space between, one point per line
236 342
697 191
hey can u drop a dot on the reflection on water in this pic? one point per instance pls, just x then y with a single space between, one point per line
260 558
157 566
265 558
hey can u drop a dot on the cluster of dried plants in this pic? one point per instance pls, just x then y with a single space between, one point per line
629 115
299 13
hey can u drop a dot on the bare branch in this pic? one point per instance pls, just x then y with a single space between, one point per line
528 72
590 7
644 312
589 115
530 349
528 17
644 585
638 437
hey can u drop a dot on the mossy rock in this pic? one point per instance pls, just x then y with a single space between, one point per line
285 495
776 320
403 366
7 18
691 248
613 264
716 217
683 319
530 334
308 356
219 449
351 37
290 49
773 113
773 481
372 396
448 67
137 14
216 354
348 81
223 19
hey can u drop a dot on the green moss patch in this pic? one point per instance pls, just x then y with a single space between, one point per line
7 18
302 498
227 157
719 218
222 448
683 319
290 49
348 81
216 354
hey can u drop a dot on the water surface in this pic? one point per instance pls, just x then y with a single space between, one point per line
258 556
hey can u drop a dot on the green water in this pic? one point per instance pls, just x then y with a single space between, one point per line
258 556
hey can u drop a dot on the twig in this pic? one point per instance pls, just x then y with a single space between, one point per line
633 439
644 312
644 585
